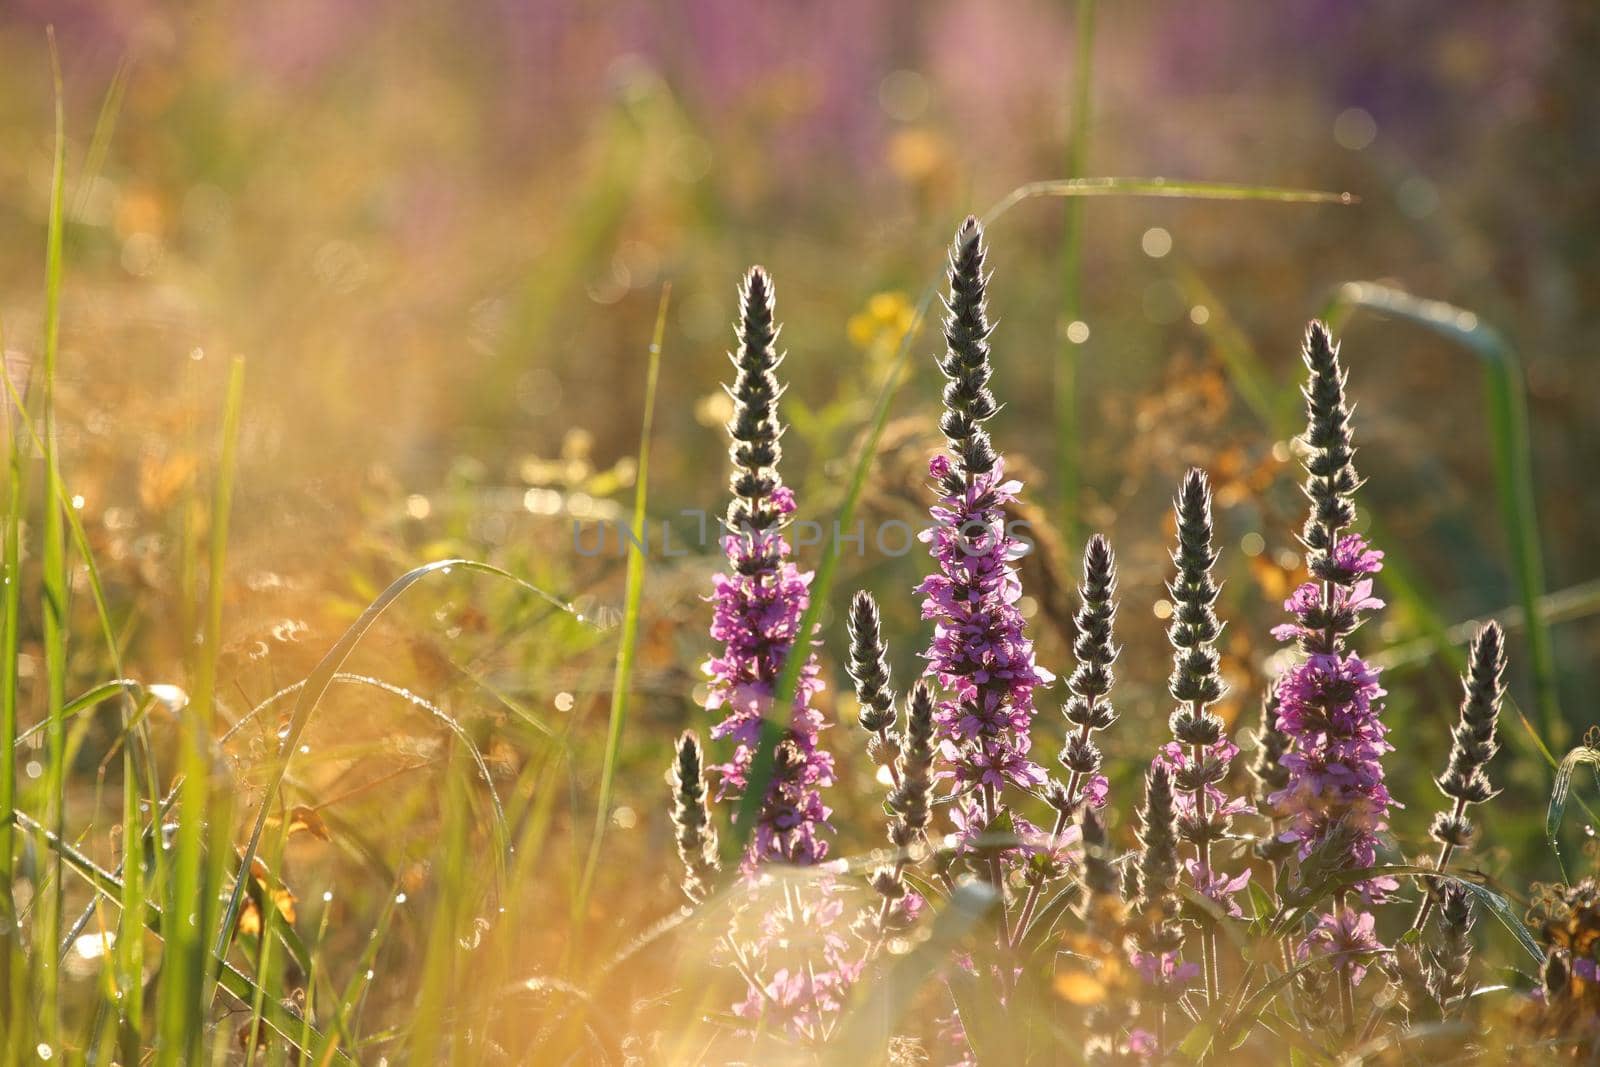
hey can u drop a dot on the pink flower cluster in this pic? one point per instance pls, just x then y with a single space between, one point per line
980 654
802 949
756 615
1330 706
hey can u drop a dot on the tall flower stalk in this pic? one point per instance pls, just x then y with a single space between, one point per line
1330 701
757 608
1473 745
980 656
1199 755
795 960
1089 708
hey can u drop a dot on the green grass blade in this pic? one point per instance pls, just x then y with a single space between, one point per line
1512 454
760 772
233 981
186 968
11 986
627 643
1067 473
55 586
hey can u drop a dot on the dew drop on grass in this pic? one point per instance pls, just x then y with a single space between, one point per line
474 937
45 1051
399 898
327 896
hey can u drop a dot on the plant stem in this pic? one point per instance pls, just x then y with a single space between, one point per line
1202 847
1446 850
997 882
1347 993
1074 782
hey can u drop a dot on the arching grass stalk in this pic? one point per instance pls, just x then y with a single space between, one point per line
1511 450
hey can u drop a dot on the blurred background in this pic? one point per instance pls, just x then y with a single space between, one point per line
438 233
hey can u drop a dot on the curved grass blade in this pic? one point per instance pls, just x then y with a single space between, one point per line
1559 792
760 773
1512 452
316 687
627 644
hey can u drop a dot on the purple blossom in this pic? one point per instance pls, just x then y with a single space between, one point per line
1165 972
1348 939
800 953
980 654
1218 887
1330 703
756 617
1329 706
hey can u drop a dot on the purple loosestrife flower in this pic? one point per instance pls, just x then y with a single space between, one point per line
757 608
1330 702
1199 755
980 654
804 962
1347 939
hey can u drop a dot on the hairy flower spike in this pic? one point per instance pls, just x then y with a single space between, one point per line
1330 469
757 609
1101 905
1199 754
967 400
1269 774
1330 703
1195 678
1267 767
691 818
1474 740
1158 842
1089 708
980 655
1447 962
909 799
869 665
754 429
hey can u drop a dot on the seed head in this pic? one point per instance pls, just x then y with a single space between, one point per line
869 665
691 818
